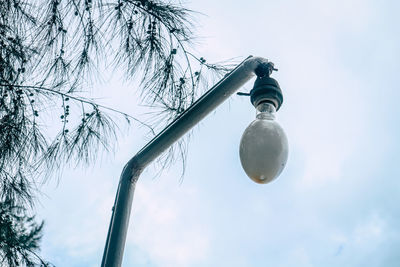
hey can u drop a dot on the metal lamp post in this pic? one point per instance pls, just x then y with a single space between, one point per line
266 91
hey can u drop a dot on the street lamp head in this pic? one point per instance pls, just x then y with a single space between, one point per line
264 146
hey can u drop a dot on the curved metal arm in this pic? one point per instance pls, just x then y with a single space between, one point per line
118 228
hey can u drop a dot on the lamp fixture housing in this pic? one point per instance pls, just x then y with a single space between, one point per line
266 89
264 146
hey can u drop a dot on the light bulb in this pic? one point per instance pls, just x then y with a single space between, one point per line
264 146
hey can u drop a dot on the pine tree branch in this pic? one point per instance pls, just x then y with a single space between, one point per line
80 99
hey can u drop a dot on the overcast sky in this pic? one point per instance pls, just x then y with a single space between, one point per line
335 204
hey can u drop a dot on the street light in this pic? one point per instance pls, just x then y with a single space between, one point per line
264 146
263 166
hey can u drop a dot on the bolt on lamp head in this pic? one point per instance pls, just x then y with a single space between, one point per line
264 146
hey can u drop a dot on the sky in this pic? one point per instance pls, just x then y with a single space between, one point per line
335 203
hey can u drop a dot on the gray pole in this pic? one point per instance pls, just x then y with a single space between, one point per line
115 243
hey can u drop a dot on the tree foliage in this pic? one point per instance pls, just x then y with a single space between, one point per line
50 50
19 237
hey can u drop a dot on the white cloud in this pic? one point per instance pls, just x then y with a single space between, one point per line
76 214
164 223
370 233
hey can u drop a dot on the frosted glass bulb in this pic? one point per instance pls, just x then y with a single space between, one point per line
264 146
